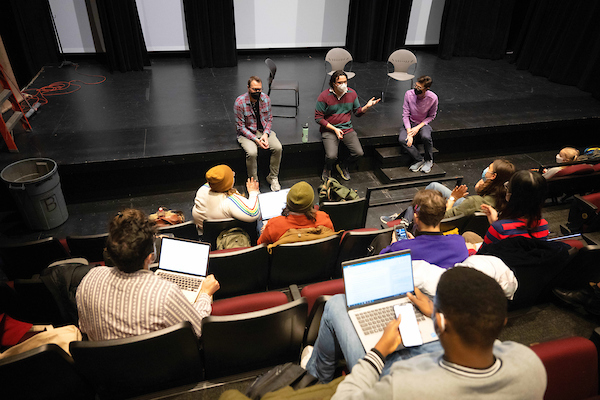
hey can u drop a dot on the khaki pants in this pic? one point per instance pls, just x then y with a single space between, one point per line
251 149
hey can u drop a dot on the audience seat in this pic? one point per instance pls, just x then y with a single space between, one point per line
46 372
35 304
124 368
346 215
313 291
572 368
248 303
211 228
583 215
355 244
478 223
244 342
185 230
457 222
579 169
23 260
90 247
240 271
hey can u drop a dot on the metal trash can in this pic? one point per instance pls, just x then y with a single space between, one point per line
35 185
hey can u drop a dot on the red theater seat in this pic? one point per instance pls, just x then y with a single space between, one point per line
248 303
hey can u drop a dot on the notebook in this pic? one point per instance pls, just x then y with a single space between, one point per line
373 286
272 203
185 263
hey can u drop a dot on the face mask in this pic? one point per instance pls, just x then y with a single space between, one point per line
485 171
343 87
418 91
255 95
559 159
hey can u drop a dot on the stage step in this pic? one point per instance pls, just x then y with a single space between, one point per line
393 156
403 174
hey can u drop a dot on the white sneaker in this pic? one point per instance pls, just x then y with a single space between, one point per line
426 168
306 354
275 186
416 167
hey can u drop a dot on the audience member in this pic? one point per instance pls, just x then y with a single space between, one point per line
566 155
299 212
217 199
522 215
129 300
430 244
419 109
253 118
333 112
469 312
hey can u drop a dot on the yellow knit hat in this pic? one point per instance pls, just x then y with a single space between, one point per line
300 197
220 178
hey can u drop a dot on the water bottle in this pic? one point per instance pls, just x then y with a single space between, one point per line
305 133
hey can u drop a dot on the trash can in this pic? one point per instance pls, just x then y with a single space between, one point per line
35 185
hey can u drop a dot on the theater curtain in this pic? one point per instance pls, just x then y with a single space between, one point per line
27 33
210 26
376 28
559 40
122 34
475 28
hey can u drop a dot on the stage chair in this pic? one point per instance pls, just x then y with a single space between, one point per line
240 271
90 247
303 262
401 60
245 342
23 260
355 244
282 85
185 230
346 215
46 372
124 368
338 58
212 227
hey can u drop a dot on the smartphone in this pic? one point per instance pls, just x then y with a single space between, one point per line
400 232
409 327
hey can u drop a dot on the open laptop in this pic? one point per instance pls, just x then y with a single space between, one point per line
272 203
185 263
373 286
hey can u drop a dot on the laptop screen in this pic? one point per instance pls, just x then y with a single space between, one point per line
377 278
272 203
184 256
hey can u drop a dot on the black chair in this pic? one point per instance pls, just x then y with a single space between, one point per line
35 304
314 321
212 227
46 372
185 230
245 342
90 247
346 215
23 260
303 262
355 244
478 223
456 222
124 368
240 271
282 85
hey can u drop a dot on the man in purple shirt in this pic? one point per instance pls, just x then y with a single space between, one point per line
419 109
253 118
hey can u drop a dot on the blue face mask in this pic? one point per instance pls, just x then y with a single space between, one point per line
485 171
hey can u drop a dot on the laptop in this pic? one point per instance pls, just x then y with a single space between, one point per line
184 262
272 203
373 286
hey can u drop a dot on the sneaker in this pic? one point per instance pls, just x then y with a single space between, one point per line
343 171
326 174
416 167
426 168
275 186
388 218
306 354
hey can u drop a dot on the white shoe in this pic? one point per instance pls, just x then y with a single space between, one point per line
416 167
426 168
275 186
306 354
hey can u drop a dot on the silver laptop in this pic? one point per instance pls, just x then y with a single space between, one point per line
185 263
374 285
272 203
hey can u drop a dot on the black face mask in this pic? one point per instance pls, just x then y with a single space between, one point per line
418 91
255 95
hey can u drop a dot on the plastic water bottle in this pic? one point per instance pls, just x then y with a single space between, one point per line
305 133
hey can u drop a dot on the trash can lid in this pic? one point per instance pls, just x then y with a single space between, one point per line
29 170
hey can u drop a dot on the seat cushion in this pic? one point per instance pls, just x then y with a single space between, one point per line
248 303
593 198
580 169
311 292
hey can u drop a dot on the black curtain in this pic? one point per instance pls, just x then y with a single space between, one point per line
28 36
561 41
210 28
122 34
376 28
475 28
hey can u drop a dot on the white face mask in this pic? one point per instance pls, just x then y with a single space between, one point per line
343 87
559 159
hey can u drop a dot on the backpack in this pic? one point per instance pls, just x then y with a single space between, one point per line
166 217
332 190
232 238
591 153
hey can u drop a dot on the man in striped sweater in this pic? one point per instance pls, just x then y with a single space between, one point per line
333 112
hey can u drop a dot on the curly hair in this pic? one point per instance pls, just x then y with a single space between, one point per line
311 213
334 77
130 239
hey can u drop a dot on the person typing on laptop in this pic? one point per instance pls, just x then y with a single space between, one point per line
469 311
128 299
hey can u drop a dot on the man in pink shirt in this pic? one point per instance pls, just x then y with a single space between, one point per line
419 109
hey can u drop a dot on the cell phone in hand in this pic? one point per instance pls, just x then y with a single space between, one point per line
400 232
409 327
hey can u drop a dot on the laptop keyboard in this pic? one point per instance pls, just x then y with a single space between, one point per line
376 320
189 283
